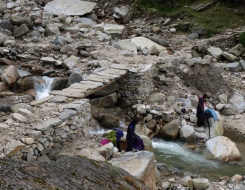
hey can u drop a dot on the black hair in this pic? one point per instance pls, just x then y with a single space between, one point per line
135 120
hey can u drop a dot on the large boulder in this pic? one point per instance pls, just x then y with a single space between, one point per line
169 131
187 134
238 102
69 7
140 164
223 148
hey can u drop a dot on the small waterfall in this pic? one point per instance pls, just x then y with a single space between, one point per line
43 88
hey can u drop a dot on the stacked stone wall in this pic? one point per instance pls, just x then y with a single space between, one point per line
57 122
138 84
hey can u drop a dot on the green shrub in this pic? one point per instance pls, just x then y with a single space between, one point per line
242 38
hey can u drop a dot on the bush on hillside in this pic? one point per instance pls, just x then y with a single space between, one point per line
242 38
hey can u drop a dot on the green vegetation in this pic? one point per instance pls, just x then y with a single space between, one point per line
242 38
215 19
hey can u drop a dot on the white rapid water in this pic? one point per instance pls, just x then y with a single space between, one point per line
176 150
43 89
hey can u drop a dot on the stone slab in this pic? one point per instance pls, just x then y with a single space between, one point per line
98 78
120 66
41 101
67 94
112 76
75 90
85 86
92 83
47 125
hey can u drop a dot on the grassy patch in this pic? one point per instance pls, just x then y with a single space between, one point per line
242 38
215 19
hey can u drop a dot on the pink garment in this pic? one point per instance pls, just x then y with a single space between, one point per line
105 141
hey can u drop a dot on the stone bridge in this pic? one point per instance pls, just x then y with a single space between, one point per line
94 82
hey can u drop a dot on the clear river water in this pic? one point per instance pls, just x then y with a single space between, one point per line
199 162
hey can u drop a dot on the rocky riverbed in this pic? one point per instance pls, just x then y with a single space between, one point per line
166 72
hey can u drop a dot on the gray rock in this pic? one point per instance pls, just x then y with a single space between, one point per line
18 20
199 30
215 52
228 110
193 36
223 98
71 62
10 75
74 77
109 121
16 107
21 31
169 131
229 57
7 24
106 101
156 97
59 83
233 67
238 50
200 183
47 125
67 114
242 62
123 13
238 102
59 41
69 7
108 90
187 134
52 29
124 102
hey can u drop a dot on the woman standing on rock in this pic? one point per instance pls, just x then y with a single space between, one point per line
200 110
131 135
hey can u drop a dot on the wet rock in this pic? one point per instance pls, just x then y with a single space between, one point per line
223 148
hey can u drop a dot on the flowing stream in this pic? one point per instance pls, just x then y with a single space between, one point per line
200 162
43 89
